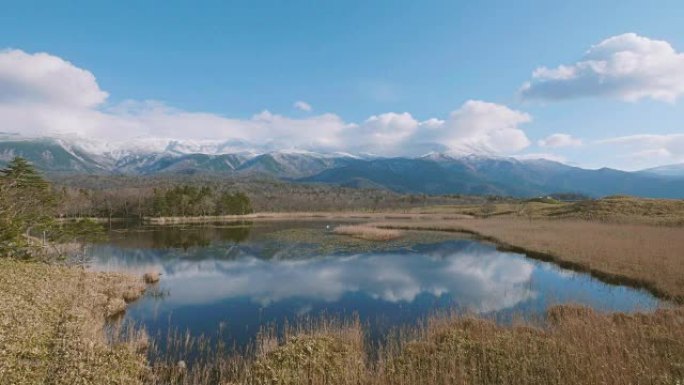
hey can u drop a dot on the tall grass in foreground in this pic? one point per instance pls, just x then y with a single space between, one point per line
53 326
320 351
573 345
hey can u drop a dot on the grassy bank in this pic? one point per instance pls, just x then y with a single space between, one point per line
369 233
52 326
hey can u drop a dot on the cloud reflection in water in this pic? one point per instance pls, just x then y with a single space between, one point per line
473 275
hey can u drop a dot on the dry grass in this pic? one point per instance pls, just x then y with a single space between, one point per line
151 277
323 351
572 345
332 354
368 233
622 209
615 209
52 326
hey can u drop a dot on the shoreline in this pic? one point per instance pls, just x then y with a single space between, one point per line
602 259
607 256
300 215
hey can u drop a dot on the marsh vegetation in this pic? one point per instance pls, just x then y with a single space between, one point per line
368 232
54 326
570 345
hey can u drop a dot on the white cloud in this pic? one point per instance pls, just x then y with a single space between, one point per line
559 140
476 127
43 78
384 134
647 150
482 127
43 95
303 106
627 67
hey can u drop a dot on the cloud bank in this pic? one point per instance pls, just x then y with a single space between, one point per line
559 140
627 67
44 95
648 149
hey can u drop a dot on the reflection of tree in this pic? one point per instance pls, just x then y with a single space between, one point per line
187 237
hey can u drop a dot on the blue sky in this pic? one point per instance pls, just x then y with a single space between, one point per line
210 69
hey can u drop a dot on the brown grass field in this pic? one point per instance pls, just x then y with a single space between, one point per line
52 326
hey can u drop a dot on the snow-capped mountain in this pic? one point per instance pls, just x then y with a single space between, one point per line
434 173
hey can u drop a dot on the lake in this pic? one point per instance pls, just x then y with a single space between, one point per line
245 276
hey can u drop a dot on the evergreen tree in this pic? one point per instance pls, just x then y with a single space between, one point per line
26 204
21 174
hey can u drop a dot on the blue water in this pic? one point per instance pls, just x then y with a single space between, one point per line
239 279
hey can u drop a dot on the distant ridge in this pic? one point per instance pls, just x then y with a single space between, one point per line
434 173
672 170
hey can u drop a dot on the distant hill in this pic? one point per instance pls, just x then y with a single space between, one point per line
672 170
501 176
430 174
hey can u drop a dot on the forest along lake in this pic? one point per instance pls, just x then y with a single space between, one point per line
241 277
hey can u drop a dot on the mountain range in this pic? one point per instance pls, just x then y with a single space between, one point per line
434 173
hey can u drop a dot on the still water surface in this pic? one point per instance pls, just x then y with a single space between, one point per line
246 276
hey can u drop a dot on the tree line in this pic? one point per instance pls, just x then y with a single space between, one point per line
141 196
30 207
187 200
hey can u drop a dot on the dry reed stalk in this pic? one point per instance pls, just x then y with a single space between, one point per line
52 326
574 346
571 345
368 233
